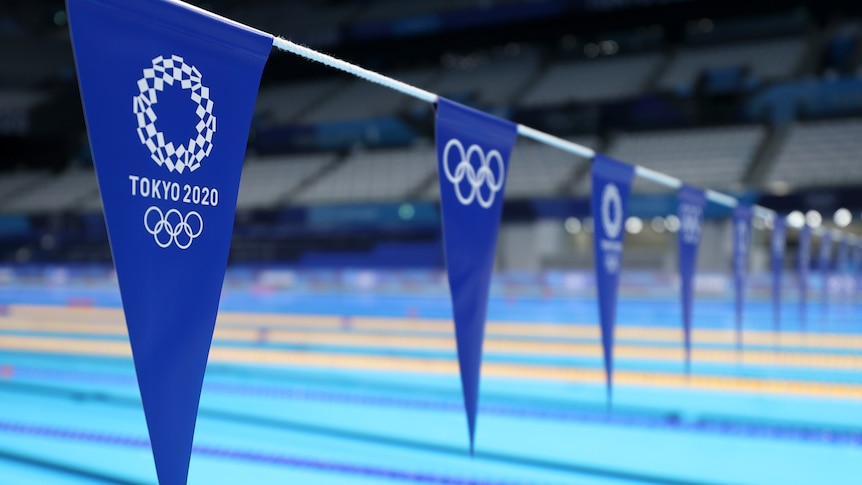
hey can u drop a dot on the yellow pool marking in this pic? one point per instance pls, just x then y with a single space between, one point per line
450 366
492 345
443 326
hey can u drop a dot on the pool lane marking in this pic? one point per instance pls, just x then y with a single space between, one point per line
243 455
722 426
444 326
492 345
449 366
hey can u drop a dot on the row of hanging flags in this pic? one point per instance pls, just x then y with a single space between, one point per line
168 94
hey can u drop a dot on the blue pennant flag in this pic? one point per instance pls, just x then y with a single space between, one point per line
842 256
612 181
779 229
803 264
690 204
473 151
741 245
168 94
824 263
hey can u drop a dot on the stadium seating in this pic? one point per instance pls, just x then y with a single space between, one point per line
819 154
399 9
494 83
382 175
707 157
267 182
294 17
19 100
13 183
765 59
361 99
592 80
284 103
63 192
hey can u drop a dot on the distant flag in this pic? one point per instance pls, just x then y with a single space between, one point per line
168 93
803 263
824 261
741 245
841 257
779 228
690 204
473 151
611 182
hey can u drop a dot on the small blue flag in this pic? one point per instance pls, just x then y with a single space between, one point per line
741 244
824 262
473 151
168 93
690 204
612 182
842 260
803 264
779 228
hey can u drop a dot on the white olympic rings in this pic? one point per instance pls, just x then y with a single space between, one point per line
690 216
612 211
476 178
176 230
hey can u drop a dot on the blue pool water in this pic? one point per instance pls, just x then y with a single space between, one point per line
72 418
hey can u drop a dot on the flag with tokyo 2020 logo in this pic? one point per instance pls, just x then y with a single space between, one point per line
168 94
473 151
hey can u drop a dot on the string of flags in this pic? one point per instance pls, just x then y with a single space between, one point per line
170 201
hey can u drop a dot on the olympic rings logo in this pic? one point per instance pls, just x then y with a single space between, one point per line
172 227
690 221
612 211
477 178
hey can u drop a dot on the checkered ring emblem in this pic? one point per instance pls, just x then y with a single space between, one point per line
165 153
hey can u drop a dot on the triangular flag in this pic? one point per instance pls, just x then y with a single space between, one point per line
741 244
824 262
473 151
168 94
612 182
803 263
779 228
690 204
842 259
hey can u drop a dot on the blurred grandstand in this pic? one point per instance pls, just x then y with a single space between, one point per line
762 100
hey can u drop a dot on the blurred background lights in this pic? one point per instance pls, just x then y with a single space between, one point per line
796 219
634 225
813 218
573 225
842 217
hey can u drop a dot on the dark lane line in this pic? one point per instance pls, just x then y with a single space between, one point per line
32 461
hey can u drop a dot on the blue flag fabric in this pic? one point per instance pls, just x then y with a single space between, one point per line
612 182
803 265
168 94
841 257
741 245
473 150
690 204
824 263
779 229
857 259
